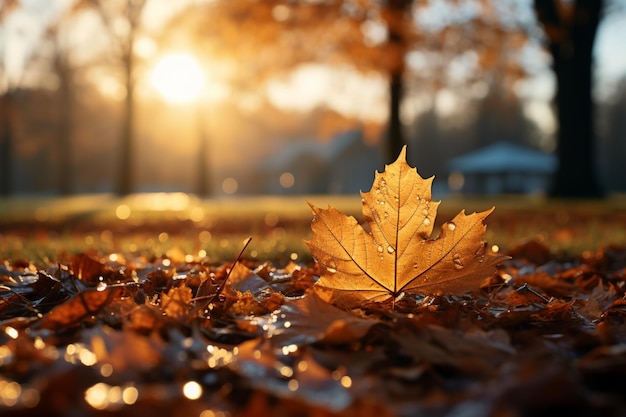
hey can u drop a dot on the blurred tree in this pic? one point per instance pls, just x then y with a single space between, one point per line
9 86
570 28
48 56
64 70
7 117
57 52
122 19
499 116
383 36
430 145
615 140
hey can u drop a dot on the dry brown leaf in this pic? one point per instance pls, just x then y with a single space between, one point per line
177 301
310 319
393 252
77 308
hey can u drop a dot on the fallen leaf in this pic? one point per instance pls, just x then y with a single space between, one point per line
474 352
314 383
77 308
31 296
310 319
393 252
176 303
243 279
534 251
91 269
252 295
124 350
552 286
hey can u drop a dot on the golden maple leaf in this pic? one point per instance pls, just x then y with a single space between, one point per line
393 251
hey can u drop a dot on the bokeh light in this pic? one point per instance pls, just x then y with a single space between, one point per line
230 186
192 390
287 180
122 212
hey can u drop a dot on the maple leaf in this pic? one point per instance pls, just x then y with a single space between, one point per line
393 251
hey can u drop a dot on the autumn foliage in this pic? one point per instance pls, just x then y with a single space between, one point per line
478 334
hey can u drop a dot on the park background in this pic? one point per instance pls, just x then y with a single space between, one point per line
227 98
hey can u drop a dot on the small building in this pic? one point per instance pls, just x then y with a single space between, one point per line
502 167
346 164
352 163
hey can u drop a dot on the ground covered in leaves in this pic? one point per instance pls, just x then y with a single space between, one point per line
114 334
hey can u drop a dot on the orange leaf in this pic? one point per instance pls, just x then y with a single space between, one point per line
393 252
77 308
176 303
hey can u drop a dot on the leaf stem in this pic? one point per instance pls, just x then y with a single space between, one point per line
213 296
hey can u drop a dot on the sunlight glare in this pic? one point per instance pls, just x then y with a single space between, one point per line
178 78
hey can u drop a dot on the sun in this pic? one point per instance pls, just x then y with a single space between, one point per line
178 77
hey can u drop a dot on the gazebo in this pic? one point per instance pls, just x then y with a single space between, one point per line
502 167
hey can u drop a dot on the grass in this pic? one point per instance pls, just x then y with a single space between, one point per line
43 229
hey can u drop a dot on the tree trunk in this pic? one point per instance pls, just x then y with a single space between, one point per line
125 180
126 175
65 160
203 188
571 46
398 15
395 138
7 103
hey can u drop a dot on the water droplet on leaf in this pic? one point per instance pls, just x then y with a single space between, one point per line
390 249
426 221
458 264
451 226
380 249
101 286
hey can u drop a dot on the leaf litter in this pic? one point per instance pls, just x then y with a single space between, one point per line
538 334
